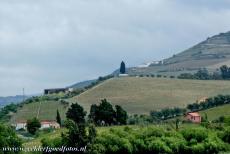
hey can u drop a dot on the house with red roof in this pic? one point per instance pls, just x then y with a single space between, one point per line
49 124
193 117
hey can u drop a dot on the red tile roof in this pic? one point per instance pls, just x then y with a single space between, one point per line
194 114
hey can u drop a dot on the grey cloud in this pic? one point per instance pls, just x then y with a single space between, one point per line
56 43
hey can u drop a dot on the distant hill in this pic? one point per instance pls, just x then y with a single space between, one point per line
211 54
82 84
11 99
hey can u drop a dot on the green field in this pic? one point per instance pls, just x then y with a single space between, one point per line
47 111
141 95
137 95
215 113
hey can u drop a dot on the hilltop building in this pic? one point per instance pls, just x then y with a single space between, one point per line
57 90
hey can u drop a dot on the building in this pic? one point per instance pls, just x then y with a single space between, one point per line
57 90
193 117
49 124
20 125
202 100
123 75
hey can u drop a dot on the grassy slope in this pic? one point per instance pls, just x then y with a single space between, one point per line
140 95
136 95
48 111
215 113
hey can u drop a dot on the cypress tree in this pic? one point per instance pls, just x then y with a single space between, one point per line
58 118
122 68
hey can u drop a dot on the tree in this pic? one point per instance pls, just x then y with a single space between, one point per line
58 118
93 115
107 113
92 133
121 115
75 136
122 68
33 125
225 71
202 74
8 138
76 113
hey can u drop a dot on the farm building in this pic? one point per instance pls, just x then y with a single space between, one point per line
44 124
57 90
193 117
49 124
20 125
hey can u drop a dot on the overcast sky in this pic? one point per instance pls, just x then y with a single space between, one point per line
56 43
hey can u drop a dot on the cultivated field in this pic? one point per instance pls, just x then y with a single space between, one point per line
136 95
141 95
215 113
45 110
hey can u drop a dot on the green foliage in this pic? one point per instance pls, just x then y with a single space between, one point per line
8 138
33 125
167 113
197 134
76 135
4 112
226 135
76 113
210 102
58 118
105 114
121 115
148 140
225 72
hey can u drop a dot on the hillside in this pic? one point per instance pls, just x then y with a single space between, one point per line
82 84
216 112
136 95
11 99
211 53
140 95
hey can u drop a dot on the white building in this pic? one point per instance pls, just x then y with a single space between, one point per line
49 124
20 125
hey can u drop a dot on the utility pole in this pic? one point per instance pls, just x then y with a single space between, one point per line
23 94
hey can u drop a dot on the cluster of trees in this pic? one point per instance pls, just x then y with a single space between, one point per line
8 138
210 102
173 112
79 133
203 74
4 112
146 140
104 114
167 113
33 125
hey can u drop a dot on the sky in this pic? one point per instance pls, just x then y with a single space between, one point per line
56 43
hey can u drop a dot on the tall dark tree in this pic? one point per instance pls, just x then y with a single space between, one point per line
76 113
75 136
107 113
225 71
33 125
58 118
121 115
93 115
122 68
